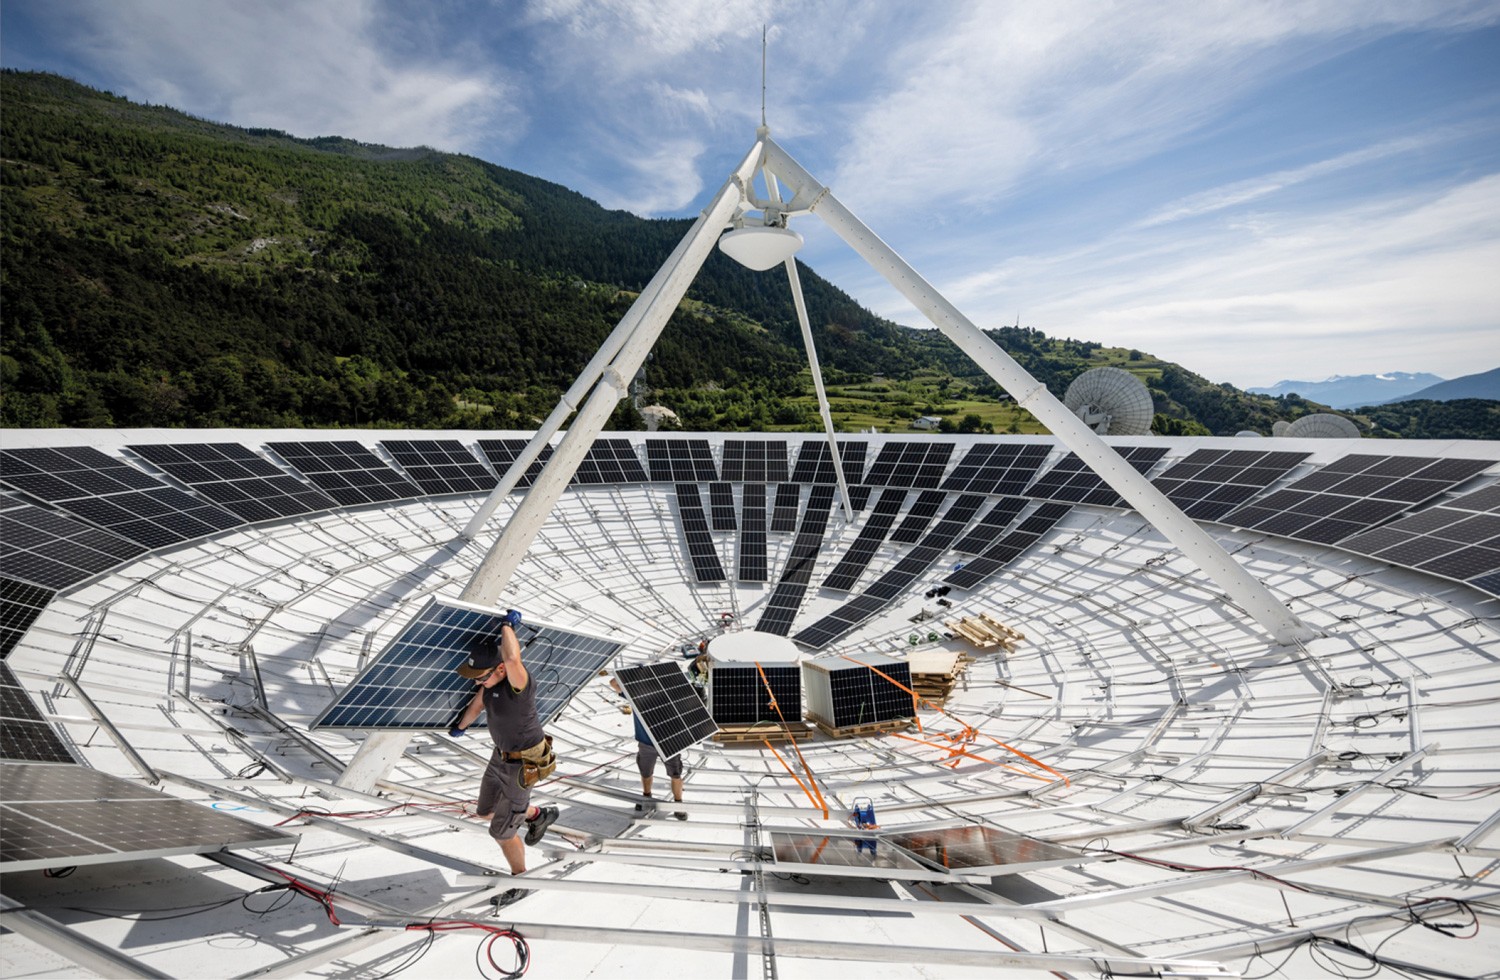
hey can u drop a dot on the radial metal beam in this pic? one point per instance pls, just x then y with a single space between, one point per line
87 953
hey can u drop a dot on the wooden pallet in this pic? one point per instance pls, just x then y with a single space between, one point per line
865 730
755 734
986 632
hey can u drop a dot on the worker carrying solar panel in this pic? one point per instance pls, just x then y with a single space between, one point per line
523 752
646 758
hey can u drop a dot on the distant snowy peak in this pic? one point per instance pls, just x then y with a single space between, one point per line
1340 391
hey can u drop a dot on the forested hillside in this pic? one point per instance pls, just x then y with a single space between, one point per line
163 270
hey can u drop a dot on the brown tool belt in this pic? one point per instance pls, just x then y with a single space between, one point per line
537 762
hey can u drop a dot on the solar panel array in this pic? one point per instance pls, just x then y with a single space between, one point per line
910 465
53 551
441 466
668 707
1010 547
501 453
737 694
71 815
1004 467
1072 481
1210 483
846 691
900 577
681 461
867 542
781 607
346 471
1459 539
815 462
412 684
107 493
236 479
753 566
610 461
979 849
784 513
695 534
755 461
991 525
721 506
20 604
923 510
1352 494
25 736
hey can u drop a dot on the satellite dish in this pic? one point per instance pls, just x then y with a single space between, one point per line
1279 427
1322 425
1247 434
1111 401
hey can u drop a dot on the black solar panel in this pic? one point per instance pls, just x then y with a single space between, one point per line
681 461
672 713
755 461
346 471
996 468
441 466
252 488
910 465
867 542
112 495
923 510
25 736
1459 539
20 604
54 551
501 453
978 849
753 534
737 694
991 525
1008 548
846 691
610 462
695 534
721 506
1072 481
1210 483
784 514
781 607
815 463
412 684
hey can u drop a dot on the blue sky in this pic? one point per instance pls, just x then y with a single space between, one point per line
1254 190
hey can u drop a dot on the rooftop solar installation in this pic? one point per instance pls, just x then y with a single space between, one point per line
910 465
1459 539
503 452
738 693
980 849
441 466
1008 548
755 460
66 815
25 736
610 462
840 851
843 692
1210 483
991 525
752 563
346 471
997 467
784 513
1072 481
681 461
670 710
235 478
815 463
923 510
871 534
721 506
695 534
1353 494
54 551
781 608
412 684
108 493
20 604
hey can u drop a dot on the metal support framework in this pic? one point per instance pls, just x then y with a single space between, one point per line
87 953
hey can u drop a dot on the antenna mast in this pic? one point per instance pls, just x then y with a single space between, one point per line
763 75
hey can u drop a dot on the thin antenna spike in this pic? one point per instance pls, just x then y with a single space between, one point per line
763 75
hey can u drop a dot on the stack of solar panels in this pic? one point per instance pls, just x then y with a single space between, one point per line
737 694
850 692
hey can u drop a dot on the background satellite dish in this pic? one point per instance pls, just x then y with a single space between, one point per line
1247 434
1279 427
1111 401
1322 425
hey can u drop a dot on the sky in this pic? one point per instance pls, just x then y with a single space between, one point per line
1257 190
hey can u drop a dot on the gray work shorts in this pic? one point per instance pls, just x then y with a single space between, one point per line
500 793
645 760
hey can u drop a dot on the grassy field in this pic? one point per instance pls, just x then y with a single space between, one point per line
892 406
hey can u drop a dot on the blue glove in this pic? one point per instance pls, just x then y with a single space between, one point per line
456 732
512 618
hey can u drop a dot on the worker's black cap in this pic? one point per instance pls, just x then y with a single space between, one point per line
484 656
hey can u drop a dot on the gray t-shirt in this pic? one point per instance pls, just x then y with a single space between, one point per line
511 716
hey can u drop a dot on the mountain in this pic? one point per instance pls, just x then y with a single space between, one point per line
1352 391
1483 385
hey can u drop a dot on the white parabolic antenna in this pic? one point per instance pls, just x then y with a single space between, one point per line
1111 401
1279 427
1322 425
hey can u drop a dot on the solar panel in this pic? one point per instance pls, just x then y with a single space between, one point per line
501 453
1008 548
1073 481
755 460
695 534
979 849
20 604
781 607
1210 483
752 564
672 713
609 462
346 471
25 736
840 852
441 466
867 542
990 525
235 478
784 513
815 463
56 815
721 506
107 493
55 551
1001 467
910 465
680 461
412 685
843 692
1459 539
923 510
737 694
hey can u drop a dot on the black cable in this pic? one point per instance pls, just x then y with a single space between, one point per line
414 958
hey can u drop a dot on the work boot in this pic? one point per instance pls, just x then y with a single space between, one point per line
545 817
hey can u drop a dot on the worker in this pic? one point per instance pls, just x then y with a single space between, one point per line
646 757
